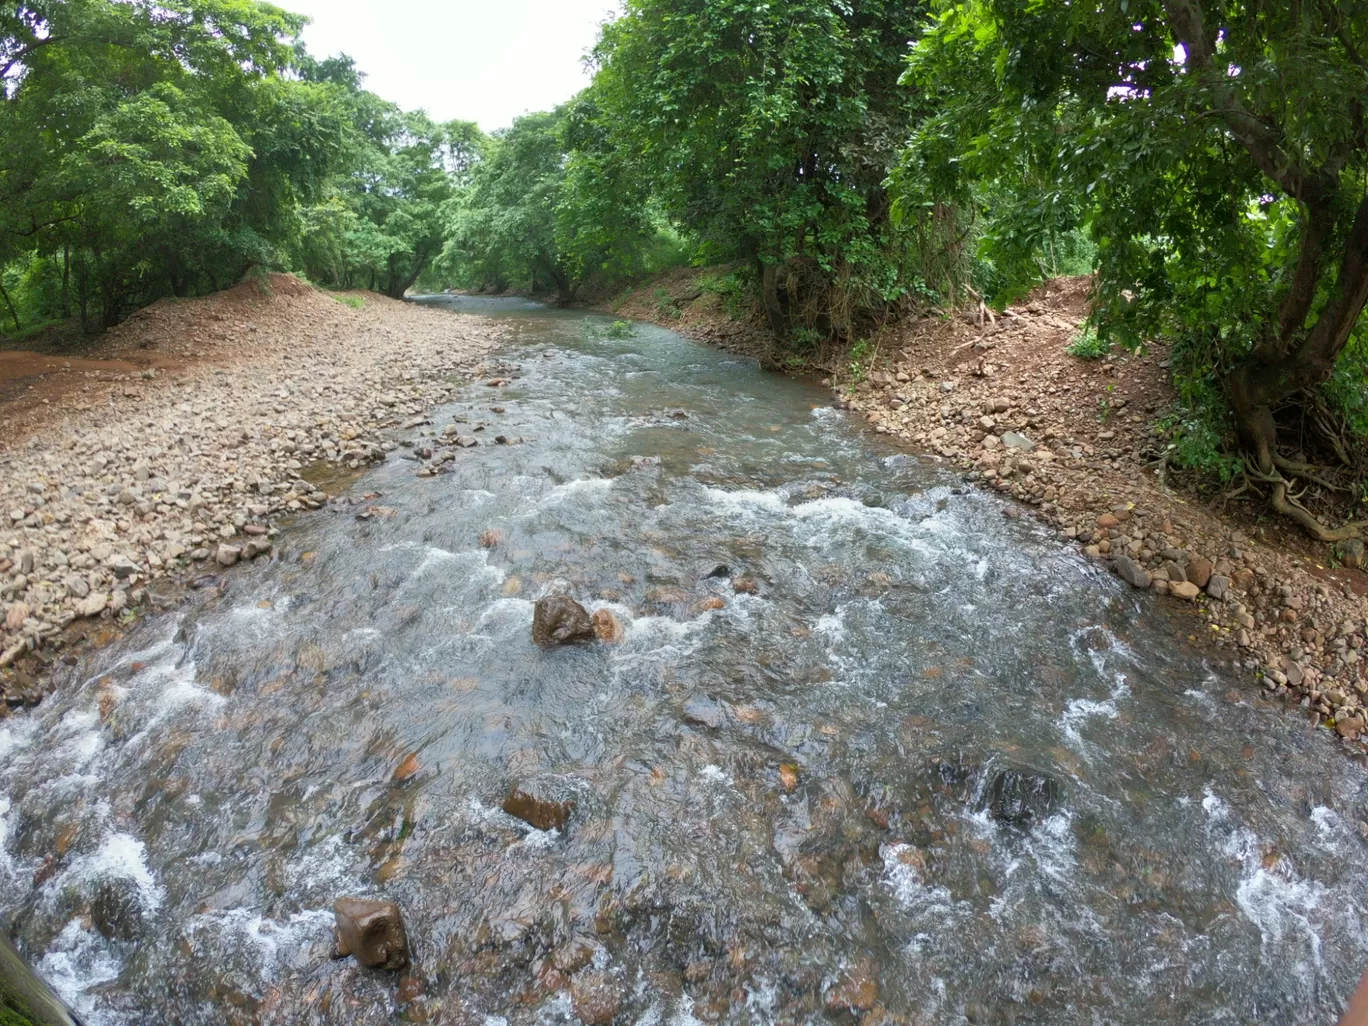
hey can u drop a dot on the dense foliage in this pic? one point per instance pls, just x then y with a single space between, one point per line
849 159
1215 151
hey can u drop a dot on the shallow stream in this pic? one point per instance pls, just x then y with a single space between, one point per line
936 764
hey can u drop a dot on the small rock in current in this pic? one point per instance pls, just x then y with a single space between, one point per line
596 998
560 620
538 812
704 712
371 931
607 627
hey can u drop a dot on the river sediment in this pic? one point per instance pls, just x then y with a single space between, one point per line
174 448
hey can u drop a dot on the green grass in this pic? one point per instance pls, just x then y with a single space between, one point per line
1088 346
355 302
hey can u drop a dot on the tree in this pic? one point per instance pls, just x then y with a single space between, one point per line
1216 151
768 130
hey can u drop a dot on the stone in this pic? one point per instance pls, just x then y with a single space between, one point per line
704 712
1016 440
1132 572
574 955
1107 521
78 586
118 602
596 997
1352 554
94 605
856 991
227 555
1174 571
1021 797
15 617
1199 571
1349 726
542 813
1184 590
372 932
607 627
1218 587
560 620
745 586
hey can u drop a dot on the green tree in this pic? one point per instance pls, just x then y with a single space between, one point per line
768 129
1216 151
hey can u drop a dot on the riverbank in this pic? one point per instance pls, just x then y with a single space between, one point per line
175 446
1074 442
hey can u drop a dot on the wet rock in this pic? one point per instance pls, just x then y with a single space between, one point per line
1022 797
607 627
372 932
574 955
560 620
721 570
1349 726
1132 572
856 991
745 586
704 712
541 813
596 997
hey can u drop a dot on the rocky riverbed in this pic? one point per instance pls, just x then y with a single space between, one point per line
116 483
1000 398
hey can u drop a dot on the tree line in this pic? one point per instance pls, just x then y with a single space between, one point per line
849 160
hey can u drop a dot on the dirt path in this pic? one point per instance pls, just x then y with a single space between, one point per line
176 442
1074 441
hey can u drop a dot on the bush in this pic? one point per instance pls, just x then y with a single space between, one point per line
1088 345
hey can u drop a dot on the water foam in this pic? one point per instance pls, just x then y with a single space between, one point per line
79 961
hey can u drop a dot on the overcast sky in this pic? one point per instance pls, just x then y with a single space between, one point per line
476 60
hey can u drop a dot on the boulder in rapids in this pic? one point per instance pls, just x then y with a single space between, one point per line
1022 797
596 997
541 813
560 620
372 932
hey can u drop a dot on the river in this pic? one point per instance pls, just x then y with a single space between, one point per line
937 768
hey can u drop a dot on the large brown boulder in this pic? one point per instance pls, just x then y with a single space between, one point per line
371 931
560 620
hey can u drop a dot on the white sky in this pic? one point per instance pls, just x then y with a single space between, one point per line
476 60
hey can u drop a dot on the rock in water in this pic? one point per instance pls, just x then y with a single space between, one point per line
608 627
371 931
596 998
560 620
1022 797
538 812
1132 572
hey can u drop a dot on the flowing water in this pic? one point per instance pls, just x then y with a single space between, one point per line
937 755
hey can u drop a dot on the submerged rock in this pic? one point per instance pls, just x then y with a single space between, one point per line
704 712
596 998
560 620
608 628
541 813
372 932
1022 797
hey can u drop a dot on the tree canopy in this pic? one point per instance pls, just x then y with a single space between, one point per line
1215 151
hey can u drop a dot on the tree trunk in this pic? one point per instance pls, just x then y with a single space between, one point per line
14 315
774 308
1299 361
66 281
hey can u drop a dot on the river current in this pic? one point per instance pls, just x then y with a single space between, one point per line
936 768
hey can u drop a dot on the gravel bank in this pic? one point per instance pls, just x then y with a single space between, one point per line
119 481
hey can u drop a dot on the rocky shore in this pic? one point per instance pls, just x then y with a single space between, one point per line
1074 441
116 483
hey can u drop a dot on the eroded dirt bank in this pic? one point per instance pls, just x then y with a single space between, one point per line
176 444
1075 442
